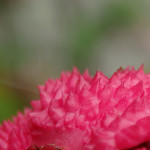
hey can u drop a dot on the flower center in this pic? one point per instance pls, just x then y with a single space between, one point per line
45 147
144 146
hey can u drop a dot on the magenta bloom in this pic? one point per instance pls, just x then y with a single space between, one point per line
78 112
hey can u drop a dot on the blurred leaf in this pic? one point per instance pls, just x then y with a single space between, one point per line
10 103
12 56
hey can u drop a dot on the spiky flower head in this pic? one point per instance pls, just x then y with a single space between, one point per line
78 112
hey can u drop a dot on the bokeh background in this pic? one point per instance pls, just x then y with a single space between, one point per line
40 38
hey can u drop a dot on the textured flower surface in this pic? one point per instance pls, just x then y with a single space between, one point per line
78 112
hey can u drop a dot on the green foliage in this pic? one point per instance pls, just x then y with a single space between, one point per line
10 103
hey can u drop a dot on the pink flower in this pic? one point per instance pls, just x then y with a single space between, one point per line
78 112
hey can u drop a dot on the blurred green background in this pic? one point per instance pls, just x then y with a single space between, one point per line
40 38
